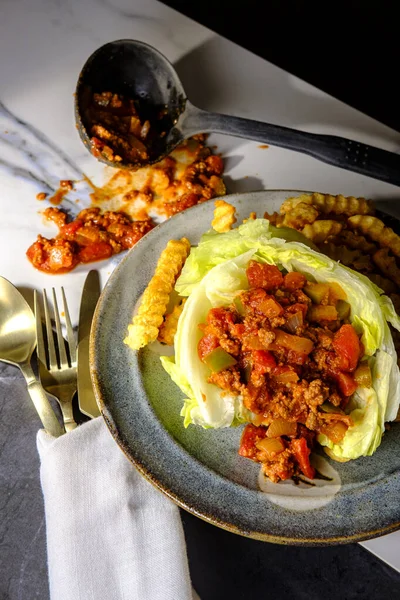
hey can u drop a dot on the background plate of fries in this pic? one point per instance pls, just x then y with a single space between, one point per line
200 469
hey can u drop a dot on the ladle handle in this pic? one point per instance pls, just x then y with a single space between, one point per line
337 151
41 402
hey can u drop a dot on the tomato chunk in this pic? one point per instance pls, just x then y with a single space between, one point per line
250 437
263 361
346 383
95 251
347 346
69 230
207 344
259 275
302 455
220 318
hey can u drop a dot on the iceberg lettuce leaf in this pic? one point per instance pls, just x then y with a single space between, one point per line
216 271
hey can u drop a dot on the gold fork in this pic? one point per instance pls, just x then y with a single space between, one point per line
57 367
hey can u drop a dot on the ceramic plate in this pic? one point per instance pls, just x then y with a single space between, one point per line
201 469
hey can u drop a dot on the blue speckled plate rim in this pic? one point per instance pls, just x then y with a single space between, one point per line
145 470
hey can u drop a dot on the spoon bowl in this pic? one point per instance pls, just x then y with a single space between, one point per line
135 70
140 72
17 325
17 343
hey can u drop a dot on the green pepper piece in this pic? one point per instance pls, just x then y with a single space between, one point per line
343 309
239 305
317 291
247 373
218 360
328 407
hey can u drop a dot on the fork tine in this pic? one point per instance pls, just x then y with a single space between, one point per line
60 338
49 332
70 331
40 347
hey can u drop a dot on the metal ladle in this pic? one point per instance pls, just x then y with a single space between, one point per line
17 343
139 71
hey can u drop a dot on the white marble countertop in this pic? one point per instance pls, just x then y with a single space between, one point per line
44 44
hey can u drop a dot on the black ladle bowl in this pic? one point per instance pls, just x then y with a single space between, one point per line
139 71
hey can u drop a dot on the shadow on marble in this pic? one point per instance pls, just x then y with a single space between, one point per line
243 184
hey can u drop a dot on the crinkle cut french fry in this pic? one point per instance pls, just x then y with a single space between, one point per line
375 229
319 231
383 282
224 216
146 323
169 326
351 239
274 218
328 204
252 216
342 205
351 258
387 264
301 215
290 203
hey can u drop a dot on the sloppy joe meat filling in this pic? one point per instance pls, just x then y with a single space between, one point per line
286 346
91 236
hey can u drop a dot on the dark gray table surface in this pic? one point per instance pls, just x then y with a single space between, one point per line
222 565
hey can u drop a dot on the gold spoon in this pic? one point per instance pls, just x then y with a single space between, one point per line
17 343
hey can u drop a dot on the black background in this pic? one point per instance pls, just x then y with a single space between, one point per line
349 49
352 51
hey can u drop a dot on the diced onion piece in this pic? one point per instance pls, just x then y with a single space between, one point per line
336 292
251 341
285 374
219 359
362 375
318 292
280 427
293 342
271 446
335 431
322 313
271 308
257 419
295 321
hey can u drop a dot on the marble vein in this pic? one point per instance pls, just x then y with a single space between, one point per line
36 158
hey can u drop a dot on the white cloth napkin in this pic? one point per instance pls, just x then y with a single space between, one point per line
110 534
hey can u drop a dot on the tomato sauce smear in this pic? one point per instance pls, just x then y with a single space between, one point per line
293 360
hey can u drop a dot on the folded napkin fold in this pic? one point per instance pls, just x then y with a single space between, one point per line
110 534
